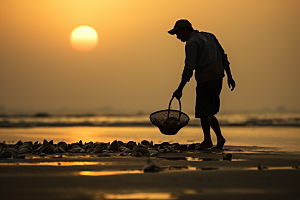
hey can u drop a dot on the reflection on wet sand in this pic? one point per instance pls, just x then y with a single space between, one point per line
58 163
139 196
107 173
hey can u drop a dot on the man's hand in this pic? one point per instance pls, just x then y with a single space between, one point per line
231 83
177 94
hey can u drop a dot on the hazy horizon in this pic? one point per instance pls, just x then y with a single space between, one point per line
137 65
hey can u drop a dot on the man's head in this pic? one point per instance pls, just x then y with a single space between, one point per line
182 29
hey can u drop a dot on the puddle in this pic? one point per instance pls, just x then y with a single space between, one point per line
58 163
211 159
250 168
108 173
140 196
198 159
120 172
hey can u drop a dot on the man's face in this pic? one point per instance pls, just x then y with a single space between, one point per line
182 34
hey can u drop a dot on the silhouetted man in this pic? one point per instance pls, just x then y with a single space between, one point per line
205 55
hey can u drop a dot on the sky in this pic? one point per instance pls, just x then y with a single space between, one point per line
137 65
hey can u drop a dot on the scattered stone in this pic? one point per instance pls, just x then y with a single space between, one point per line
76 150
98 149
145 142
24 150
183 147
42 154
60 150
62 145
12 150
51 149
105 154
151 167
114 146
45 142
260 167
227 156
82 151
192 146
6 154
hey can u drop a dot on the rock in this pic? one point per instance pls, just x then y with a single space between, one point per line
98 149
183 147
192 146
19 143
76 150
82 151
260 167
29 143
45 142
131 145
161 150
24 150
60 150
6 154
120 143
51 149
3 146
62 145
227 156
104 155
12 150
165 144
153 152
114 146
145 142
151 167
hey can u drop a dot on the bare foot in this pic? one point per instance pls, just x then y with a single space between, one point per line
205 145
220 143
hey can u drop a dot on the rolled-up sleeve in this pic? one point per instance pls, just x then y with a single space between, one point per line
191 50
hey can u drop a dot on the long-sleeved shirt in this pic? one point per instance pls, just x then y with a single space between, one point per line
204 54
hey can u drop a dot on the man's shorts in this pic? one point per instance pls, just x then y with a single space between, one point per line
208 98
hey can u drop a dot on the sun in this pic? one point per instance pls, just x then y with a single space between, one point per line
84 38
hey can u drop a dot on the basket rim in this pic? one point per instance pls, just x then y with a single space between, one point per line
180 125
170 110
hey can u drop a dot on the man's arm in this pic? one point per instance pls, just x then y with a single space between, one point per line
190 63
230 81
178 92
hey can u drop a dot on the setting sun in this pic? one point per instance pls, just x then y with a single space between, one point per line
84 38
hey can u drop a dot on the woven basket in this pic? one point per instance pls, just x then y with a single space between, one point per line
159 118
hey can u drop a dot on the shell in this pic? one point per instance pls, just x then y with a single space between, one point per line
24 150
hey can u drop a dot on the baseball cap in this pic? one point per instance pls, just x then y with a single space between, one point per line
182 23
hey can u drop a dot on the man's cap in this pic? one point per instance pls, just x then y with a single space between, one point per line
182 23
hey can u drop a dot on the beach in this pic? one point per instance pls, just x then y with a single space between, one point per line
248 172
260 159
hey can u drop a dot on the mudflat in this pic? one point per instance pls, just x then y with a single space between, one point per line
236 172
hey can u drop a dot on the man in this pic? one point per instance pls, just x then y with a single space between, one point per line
205 55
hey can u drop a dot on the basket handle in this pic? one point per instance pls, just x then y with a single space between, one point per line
170 108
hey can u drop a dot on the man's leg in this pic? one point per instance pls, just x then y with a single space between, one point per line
216 127
207 143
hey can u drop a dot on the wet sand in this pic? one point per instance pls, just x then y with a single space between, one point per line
252 172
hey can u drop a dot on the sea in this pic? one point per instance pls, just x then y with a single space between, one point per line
262 129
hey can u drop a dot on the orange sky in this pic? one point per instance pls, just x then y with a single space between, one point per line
137 65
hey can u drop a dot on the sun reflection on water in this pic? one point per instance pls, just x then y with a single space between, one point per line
139 196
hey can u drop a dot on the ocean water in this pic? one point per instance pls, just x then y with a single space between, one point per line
280 130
